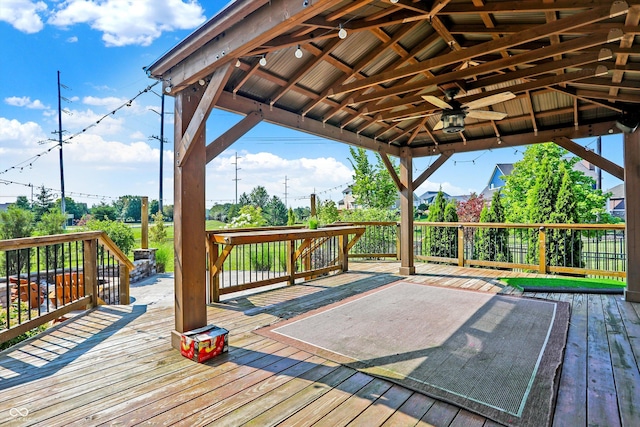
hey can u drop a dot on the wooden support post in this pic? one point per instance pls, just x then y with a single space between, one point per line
124 284
214 274
542 251
291 261
460 246
189 220
632 213
407 266
398 233
90 272
343 240
144 216
313 204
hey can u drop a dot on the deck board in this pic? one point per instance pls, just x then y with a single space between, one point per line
115 365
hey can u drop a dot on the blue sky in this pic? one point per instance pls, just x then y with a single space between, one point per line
100 48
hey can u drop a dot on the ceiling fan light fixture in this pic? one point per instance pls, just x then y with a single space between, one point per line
452 121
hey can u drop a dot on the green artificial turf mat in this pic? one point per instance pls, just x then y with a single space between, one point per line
563 283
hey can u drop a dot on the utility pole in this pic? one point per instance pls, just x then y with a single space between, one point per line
62 200
285 191
598 170
162 141
236 178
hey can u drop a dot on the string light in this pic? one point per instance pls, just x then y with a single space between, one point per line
263 60
342 33
298 52
31 160
238 63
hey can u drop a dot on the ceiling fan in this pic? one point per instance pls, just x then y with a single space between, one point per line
454 113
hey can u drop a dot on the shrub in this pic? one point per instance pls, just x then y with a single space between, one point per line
158 231
261 259
164 258
120 233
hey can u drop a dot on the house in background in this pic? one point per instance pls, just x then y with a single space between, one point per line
496 181
615 204
4 206
348 202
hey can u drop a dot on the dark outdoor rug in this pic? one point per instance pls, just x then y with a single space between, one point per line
496 355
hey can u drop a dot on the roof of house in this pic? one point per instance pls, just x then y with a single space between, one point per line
617 192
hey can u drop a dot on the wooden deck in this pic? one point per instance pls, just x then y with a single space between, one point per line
114 366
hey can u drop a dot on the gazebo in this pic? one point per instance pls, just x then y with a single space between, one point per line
407 79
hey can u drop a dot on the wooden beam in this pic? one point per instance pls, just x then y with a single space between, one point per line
432 168
241 105
209 51
391 170
580 19
632 213
590 156
582 131
225 140
198 121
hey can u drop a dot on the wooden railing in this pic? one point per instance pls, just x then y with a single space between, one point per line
577 249
44 278
243 259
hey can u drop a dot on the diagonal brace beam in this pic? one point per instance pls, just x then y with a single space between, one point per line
590 156
225 140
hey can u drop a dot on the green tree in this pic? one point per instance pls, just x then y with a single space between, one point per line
302 213
450 234
23 203
541 202
51 223
154 207
104 212
167 212
565 246
43 202
71 207
244 200
276 212
291 217
372 186
591 203
131 208
259 197
327 212
158 232
15 223
435 240
492 244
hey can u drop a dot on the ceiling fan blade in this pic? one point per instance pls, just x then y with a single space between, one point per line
436 101
489 100
486 115
438 125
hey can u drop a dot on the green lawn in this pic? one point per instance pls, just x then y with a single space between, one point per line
563 283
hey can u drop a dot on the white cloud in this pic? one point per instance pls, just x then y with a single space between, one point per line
447 187
23 15
25 101
88 119
21 134
110 154
72 39
127 22
304 176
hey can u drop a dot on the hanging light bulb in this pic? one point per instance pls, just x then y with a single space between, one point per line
298 53
263 60
238 63
342 33
394 1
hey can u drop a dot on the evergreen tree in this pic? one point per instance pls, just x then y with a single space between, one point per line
291 217
492 244
541 202
259 197
43 202
23 203
276 212
435 239
243 200
565 246
450 234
